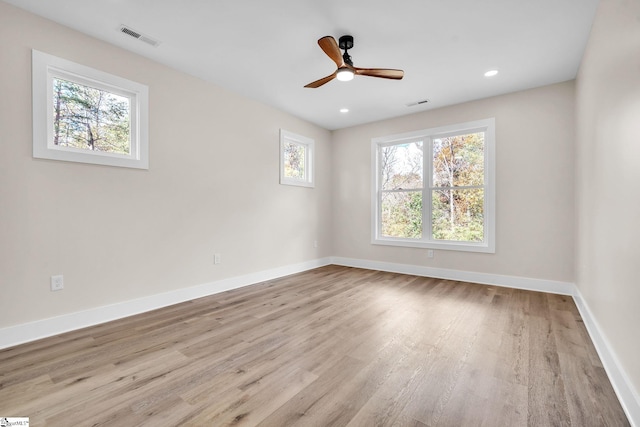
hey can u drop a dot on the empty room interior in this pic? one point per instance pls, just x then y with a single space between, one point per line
213 213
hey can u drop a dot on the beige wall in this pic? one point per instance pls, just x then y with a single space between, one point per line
534 180
118 234
608 179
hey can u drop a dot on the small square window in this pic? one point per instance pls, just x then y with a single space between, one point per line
296 159
85 115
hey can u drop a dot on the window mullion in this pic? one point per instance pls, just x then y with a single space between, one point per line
427 178
379 190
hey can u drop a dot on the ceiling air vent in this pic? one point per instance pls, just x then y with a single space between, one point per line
136 35
413 104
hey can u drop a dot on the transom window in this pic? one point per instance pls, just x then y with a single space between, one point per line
435 188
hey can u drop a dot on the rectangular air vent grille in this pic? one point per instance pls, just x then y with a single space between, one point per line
413 104
136 35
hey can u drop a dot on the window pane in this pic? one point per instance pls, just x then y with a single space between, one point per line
90 119
402 214
402 166
294 160
458 214
458 160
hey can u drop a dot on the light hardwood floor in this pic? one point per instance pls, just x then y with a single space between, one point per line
334 346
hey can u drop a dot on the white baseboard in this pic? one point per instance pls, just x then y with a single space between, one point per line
620 381
540 285
628 396
26 332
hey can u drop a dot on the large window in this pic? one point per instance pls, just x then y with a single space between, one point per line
435 188
85 115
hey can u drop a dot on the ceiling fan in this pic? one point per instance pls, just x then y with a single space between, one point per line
346 70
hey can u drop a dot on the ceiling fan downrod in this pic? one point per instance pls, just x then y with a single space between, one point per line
346 43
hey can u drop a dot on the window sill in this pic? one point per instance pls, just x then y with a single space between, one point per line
444 245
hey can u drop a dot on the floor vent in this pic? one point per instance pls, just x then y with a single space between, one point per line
136 35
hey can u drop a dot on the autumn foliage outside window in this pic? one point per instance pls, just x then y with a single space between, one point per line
294 160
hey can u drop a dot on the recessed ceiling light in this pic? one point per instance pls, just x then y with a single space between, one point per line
491 73
344 110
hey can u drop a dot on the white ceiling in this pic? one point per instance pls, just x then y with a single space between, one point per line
266 49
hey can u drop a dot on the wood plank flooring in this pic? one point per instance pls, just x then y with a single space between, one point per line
335 346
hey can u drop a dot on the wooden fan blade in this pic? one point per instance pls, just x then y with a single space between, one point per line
329 45
322 81
380 72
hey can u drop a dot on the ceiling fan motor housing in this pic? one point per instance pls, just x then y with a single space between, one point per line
345 42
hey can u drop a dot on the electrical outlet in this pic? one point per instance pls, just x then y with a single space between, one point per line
57 283
217 258
315 243
430 253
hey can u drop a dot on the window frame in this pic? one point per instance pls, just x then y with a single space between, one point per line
46 68
309 158
426 136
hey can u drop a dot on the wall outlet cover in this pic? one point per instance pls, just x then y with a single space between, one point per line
57 282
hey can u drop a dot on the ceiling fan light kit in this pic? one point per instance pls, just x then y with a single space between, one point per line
344 74
346 71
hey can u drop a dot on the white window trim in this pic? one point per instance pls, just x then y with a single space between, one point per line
45 68
427 135
308 144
